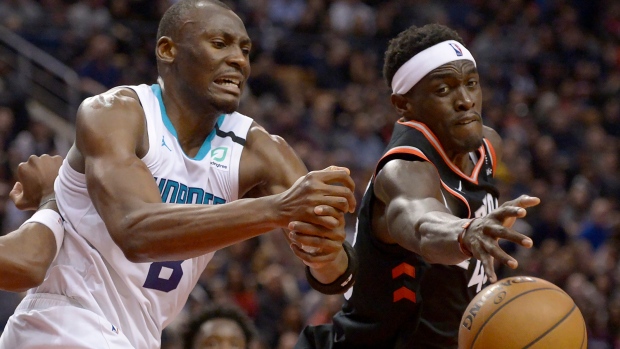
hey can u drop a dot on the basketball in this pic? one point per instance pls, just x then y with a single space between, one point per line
522 312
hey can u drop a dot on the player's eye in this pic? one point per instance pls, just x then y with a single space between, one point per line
442 90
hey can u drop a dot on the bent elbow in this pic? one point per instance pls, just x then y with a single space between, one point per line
130 241
133 249
33 279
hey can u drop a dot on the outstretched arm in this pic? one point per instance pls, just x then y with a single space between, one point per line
417 219
26 253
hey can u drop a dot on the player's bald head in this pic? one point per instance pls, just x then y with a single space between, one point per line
176 15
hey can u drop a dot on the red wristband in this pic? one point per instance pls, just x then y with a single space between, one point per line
462 246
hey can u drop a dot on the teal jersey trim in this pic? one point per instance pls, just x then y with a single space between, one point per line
206 146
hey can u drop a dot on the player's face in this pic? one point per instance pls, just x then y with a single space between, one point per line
213 56
449 101
220 334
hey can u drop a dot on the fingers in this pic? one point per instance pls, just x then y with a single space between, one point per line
508 213
489 268
338 175
16 194
337 168
501 232
339 198
312 235
315 252
339 183
523 201
483 236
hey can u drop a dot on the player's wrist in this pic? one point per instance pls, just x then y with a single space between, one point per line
344 281
53 221
461 241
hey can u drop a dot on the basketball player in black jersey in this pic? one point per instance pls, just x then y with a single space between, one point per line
429 222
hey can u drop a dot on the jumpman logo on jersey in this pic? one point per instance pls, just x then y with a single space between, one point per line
163 143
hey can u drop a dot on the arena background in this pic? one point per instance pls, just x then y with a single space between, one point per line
550 73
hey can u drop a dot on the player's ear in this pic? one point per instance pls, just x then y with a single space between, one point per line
165 50
400 103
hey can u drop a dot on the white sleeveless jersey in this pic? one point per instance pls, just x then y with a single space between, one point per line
140 299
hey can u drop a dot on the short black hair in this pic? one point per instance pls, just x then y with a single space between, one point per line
412 41
172 18
220 311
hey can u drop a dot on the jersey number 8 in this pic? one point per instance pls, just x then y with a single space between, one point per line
157 281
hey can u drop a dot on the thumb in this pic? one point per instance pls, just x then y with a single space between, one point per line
526 201
17 192
338 168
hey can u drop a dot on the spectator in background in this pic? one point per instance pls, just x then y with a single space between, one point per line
88 17
220 326
352 17
20 15
97 68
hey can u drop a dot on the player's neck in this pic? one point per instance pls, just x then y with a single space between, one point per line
192 123
463 162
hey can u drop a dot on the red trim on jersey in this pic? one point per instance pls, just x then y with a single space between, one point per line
403 150
417 152
493 156
435 143
404 293
403 268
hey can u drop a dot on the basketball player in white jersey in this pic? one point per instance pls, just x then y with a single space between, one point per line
162 176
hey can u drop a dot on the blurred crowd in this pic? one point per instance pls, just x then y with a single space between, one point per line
550 73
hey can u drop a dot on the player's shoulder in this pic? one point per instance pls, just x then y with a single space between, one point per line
120 97
495 140
492 135
261 140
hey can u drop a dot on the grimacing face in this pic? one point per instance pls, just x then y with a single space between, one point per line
212 58
449 101
220 333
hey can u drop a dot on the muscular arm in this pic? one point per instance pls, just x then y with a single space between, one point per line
416 218
269 161
415 215
110 138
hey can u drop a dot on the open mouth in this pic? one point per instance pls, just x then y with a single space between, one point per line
228 82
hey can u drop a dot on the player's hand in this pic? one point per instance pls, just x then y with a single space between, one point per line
35 181
330 190
316 246
482 236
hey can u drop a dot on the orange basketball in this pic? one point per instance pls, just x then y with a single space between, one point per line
522 312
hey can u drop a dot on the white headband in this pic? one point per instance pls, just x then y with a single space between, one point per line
427 60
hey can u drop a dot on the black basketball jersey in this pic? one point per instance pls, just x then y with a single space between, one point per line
399 300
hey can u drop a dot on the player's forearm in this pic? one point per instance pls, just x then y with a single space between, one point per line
438 232
430 233
164 232
25 256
